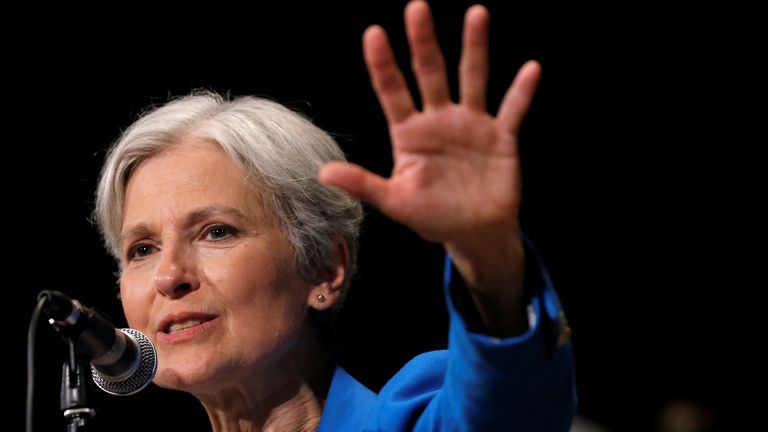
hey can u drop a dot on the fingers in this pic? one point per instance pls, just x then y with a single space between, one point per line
519 96
473 68
386 78
427 59
356 181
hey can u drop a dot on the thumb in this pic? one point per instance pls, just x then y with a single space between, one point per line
356 181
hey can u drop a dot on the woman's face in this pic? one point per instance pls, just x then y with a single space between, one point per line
207 275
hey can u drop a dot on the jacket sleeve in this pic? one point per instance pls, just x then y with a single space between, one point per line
520 383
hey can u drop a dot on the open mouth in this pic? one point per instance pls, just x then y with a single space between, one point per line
184 326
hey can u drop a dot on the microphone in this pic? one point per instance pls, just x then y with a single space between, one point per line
123 361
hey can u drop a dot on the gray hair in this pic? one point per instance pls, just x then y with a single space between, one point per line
280 153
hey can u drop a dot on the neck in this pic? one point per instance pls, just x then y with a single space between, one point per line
293 407
286 396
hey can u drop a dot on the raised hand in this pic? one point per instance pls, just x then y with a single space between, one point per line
456 178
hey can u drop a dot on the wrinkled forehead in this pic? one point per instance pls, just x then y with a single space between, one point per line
189 176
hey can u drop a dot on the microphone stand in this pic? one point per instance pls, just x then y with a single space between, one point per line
74 388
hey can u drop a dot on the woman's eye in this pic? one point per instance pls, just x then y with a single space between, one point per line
220 232
140 251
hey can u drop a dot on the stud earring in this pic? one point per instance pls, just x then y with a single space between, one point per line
321 298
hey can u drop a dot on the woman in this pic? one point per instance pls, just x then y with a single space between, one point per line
235 253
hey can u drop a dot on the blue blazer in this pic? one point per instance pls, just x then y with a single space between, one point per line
480 383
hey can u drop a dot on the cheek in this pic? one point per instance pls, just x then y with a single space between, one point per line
242 275
135 305
262 288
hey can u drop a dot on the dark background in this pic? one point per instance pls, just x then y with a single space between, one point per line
625 190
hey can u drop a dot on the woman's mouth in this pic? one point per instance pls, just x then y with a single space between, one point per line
184 327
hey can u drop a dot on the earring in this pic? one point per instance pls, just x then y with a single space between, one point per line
321 298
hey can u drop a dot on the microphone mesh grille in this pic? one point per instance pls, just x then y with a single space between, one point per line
137 380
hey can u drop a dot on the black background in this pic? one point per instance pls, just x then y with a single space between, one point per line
625 194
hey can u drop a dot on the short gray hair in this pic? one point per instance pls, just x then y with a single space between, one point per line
280 153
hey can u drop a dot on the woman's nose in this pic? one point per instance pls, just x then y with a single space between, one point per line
176 275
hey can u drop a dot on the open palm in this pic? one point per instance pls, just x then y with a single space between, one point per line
456 174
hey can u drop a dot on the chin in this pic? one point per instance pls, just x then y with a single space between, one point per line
188 373
190 381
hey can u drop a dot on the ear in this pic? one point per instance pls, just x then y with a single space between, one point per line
329 280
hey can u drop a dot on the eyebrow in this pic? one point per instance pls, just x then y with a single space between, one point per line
142 229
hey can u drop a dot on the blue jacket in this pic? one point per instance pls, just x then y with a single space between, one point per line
480 383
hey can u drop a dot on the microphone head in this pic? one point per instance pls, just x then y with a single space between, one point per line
137 380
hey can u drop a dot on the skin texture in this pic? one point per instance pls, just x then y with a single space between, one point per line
456 181
231 263
456 178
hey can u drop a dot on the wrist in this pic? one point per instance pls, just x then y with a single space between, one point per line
493 269
490 262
